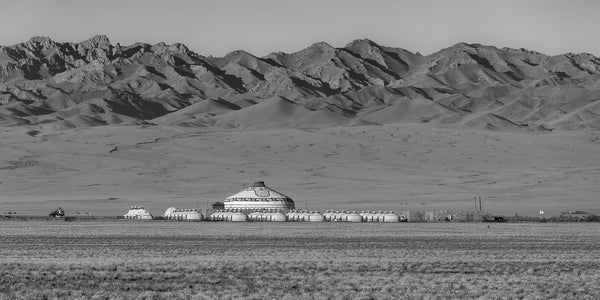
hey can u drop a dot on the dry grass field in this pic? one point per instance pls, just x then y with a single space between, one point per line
171 260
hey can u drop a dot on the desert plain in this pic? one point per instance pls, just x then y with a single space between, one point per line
104 170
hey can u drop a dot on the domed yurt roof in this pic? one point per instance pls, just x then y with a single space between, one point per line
258 190
258 196
170 210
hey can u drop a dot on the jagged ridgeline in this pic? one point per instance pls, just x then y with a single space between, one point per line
69 85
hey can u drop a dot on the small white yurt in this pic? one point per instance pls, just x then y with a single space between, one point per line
389 217
329 216
236 217
291 215
353 217
276 217
190 214
304 216
368 216
138 213
340 216
315 217
217 216
378 216
255 216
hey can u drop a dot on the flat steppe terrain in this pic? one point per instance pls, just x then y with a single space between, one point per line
104 170
207 260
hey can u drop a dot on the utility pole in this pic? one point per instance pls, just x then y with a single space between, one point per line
480 209
475 198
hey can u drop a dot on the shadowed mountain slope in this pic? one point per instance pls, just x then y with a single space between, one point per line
92 83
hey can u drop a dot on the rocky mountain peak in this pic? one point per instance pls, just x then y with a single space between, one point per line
320 46
96 48
97 41
361 43
163 48
470 85
42 40
38 44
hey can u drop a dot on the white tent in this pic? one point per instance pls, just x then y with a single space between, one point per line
138 213
173 213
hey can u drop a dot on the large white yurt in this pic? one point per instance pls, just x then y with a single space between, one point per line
315 217
259 197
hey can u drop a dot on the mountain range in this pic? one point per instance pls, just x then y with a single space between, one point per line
92 83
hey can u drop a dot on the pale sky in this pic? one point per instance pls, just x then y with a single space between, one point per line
216 27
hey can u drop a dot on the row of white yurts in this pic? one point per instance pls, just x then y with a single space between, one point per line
342 216
267 216
173 213
232 216
305 216
138 213
380 216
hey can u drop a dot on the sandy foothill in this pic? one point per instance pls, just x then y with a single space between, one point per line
104 170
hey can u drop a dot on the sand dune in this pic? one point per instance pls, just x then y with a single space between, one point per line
275 113
409 111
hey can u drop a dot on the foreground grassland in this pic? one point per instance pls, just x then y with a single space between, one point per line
156 260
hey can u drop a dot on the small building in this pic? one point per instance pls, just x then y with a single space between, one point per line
58 213
138 213
438 216
412 216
